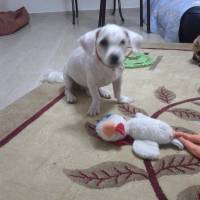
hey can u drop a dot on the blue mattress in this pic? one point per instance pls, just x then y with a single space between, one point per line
166 16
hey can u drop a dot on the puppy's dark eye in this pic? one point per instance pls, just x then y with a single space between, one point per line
104 43
122 42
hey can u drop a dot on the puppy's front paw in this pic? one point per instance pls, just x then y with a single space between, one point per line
124 99
104 93
71 99
93 110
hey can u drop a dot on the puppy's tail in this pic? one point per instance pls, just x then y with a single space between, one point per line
53 77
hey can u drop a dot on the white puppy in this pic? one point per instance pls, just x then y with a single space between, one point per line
98 62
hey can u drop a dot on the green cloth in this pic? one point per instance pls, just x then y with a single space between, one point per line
138 60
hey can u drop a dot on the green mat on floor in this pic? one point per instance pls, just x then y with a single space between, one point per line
138 60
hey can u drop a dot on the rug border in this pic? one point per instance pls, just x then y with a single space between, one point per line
168 46
35 116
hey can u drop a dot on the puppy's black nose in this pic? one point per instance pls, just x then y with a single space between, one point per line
114 59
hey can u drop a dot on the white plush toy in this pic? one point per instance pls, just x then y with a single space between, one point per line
148 133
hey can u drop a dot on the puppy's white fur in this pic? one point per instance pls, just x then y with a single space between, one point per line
91 66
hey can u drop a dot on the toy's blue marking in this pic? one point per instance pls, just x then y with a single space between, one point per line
104 117
108 115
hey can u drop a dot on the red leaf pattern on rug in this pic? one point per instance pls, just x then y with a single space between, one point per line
107 174
128 140
182 129
130 110
187 114
165 95
197 103
91 129
177 164
190 193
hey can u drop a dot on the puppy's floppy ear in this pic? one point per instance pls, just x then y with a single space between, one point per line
135 40
88 40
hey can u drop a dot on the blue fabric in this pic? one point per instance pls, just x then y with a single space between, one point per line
166 16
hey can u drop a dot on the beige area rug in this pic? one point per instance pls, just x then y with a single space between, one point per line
49 150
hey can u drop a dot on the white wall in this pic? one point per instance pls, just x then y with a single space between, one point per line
3 5
37 6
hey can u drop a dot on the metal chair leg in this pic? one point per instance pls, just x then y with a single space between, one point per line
100 14
104 13
114 7
76 4
120 10
148 17
73 12
141 13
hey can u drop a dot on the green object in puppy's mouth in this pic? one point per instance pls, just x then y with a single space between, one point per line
138 60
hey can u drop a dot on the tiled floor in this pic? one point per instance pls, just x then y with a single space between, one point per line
45 44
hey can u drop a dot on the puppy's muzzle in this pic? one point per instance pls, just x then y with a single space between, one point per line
114 59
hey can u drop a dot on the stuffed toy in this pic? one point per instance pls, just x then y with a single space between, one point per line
196 50
148 134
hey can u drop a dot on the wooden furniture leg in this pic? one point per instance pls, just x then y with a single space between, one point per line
76 4
100 13
148 16
114 7
120 10
141 13
73 12
104 13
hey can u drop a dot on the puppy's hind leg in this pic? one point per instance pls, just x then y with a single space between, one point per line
68 87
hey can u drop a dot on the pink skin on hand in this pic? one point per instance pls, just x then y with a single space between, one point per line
189 142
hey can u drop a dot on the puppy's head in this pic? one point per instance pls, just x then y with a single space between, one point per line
110 43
